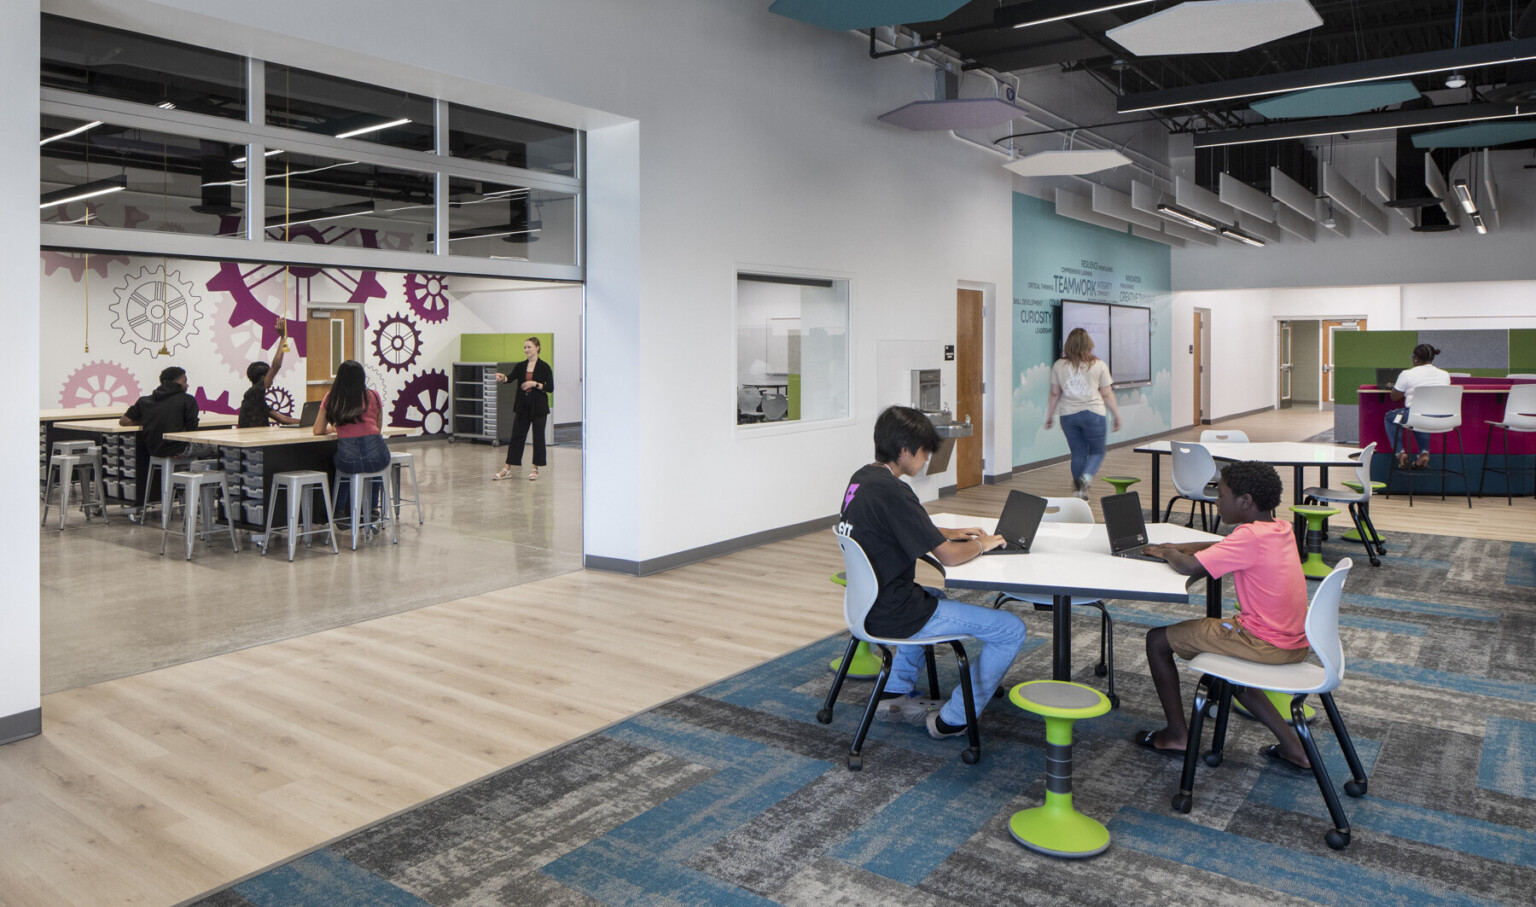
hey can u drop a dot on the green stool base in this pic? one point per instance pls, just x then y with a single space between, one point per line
1120 483
864 666
1059 832
1312 566
1282 703
1354 536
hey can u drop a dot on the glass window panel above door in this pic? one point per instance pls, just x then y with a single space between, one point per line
106 62
343 109
497 138
496 220
323 200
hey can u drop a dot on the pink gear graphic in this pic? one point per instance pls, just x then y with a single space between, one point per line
280 400
219 404
397 343
240 345
423 403
74 263
99 383
428 296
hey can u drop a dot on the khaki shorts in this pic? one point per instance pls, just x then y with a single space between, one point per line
1222 637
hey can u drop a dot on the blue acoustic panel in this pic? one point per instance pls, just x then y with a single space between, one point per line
1461 350
1477 135
1336 100
959 113
843 15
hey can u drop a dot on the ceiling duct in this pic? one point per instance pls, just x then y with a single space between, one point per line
1520 78
1412 191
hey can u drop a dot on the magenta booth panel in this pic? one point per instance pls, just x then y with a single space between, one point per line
1482 402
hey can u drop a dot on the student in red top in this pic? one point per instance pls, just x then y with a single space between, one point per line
1260 554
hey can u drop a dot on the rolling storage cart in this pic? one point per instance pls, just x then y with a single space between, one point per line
474 401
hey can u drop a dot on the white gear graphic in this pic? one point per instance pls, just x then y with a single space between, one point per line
99 383
155 309
238 345
279 400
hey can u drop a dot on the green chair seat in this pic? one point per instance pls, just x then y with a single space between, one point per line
1315 515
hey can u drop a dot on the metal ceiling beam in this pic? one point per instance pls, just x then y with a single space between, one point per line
1343 74
1366 122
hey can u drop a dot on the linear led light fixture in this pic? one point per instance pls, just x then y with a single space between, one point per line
269 153
1464 192
67 133
84 190
1327 76
1477 221
1366 122
352 133
1042 11
1240 236
351 209
1184 217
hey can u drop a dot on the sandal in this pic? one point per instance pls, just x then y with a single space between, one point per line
1144 740
533 476
504 473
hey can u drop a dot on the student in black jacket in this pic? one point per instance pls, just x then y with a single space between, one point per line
168 409
534 381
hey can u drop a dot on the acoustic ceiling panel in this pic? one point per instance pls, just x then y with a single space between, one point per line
1080 207
1331 218
1438 187
1145 197
1297 225
1257 226
1335 100
1386 185
1243 197
1291 193
1202 201
1341 190
1477 135
845 15
1189 234
1373 216
1488 183
1067 163
1166 239
1117 204
1215 26
958 113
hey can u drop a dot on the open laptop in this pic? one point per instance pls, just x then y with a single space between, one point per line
1386 378
307 416
1126 527
1018 522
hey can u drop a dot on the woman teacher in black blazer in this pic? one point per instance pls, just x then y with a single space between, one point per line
530 408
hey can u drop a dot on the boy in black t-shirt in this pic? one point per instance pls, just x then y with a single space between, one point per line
254 411
884 516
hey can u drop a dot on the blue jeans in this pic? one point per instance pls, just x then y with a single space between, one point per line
368 453
1085 433
1394 431
1000 633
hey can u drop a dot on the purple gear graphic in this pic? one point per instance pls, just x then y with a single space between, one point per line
423 403
74 263
240 345
428 296
280 400
219 404
397 343
155 307
99 383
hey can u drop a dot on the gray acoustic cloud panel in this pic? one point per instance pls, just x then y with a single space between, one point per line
1166 239
1386 188
1291 193
1189 234
1341 190
1117 204
1145 198
1202 201
1257 226
956 113
1295 224
1243 197
1080 207
1493 189
1373 216
1340 219
1435 180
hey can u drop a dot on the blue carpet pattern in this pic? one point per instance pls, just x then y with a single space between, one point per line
735 795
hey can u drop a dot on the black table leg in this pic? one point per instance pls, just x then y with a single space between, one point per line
1157 501
1061 629
1212 597
1298 524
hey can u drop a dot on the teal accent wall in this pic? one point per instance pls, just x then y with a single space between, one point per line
1054 258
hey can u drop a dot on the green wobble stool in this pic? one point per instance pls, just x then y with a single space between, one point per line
1313 566
864 665
1281 701
1120 483
1353 535
1056 828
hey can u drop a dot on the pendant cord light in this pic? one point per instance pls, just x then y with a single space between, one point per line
87 273
165 262
282 321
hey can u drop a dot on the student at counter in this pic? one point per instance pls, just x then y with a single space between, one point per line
1423 374
355 415
169 408
255 412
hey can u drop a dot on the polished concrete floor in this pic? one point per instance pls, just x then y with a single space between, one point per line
112 606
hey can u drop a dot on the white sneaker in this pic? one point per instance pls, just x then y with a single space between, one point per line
906 710
1084 482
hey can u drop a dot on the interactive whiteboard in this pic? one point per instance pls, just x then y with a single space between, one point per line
1122 336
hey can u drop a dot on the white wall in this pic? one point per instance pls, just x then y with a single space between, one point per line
753 141
20 691
1457 306
547 310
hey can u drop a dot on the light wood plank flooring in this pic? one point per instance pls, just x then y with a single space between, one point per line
154 788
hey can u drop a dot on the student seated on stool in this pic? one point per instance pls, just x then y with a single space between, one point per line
1260 554
168 409
890 524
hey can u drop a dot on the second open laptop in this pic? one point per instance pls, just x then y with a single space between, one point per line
1126 527
307 416
1018 522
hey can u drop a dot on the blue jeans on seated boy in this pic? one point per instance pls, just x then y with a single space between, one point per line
1000 633
368 453
1395 430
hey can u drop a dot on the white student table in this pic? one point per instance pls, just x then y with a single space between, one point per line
1072 560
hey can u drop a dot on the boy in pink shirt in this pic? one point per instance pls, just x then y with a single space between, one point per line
1260 554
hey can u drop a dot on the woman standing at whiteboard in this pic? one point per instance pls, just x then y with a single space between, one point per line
1080 389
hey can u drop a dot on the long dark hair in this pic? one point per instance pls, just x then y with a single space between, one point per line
348 399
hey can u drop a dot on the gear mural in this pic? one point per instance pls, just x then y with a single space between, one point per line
423 403
75 263
279 400
155 309
219 404
397 343
99 383
427 295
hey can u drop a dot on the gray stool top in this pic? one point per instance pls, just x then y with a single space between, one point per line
1059 698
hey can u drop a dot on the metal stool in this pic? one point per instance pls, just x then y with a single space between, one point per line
198 490
163 467
1353 535
400 460
300 484
1056 828
65 468
1120 483
359 486
1313 566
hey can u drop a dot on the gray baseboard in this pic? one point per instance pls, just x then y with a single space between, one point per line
998 479
21 725
948 490
693 556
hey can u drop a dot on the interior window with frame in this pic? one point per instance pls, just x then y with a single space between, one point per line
791 348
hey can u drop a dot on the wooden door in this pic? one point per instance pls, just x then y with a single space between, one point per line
1328 328
968 385
331 339
1283 359
1197 370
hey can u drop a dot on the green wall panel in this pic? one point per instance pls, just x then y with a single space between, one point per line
1374 349
1347 381
482 348
1522 350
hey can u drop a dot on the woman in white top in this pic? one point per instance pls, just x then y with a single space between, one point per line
1080 389
1423 374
